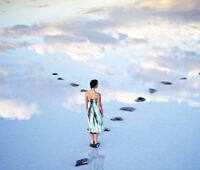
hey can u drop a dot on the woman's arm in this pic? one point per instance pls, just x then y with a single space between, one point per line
100 106
86 100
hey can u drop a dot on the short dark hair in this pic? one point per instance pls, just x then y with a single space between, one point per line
93 83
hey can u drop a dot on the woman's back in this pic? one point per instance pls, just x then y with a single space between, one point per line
92 94
92 99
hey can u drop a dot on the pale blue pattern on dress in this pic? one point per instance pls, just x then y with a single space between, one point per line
95 120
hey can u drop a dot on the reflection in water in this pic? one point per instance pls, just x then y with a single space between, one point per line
127 49
96 160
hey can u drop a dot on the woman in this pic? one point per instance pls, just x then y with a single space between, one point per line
94 113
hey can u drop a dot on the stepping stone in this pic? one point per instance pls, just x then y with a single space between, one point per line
130 109
54 73
59 78
183 78
82 162
83 90
97 145
116 118
166 82
74 84
140 99
152 90
107 129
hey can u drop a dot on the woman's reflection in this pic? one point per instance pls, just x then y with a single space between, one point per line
96 160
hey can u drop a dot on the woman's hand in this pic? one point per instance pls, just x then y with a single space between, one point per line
100 106
86 100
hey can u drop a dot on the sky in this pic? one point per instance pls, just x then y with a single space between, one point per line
128 45
141 42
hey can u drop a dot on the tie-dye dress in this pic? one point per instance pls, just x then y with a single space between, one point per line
95 120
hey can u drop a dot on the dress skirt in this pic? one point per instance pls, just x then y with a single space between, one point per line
95 120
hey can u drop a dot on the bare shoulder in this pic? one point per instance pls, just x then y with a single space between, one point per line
99 94
86 93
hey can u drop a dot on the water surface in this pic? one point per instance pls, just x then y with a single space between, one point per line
129 46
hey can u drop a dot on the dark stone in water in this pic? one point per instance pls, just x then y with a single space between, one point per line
183 78
83 90
74 84
152 90
166 82
107 129
116 118
140 99
54 73
82 162
59 78
130 109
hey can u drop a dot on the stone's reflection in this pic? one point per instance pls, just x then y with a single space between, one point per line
96 160
74 84
130 109
152 90
83 90
183 78
166 82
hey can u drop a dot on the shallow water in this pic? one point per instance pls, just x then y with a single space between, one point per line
43 120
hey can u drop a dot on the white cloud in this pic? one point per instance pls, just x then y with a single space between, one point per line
40 48
77 99
149 30
73 102
128 97
5 47
169 4
77 51
85 38
194 103
150 64
18 109
194 72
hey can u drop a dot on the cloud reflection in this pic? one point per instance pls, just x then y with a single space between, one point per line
18 109
138 44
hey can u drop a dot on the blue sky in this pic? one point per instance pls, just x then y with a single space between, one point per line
129 46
